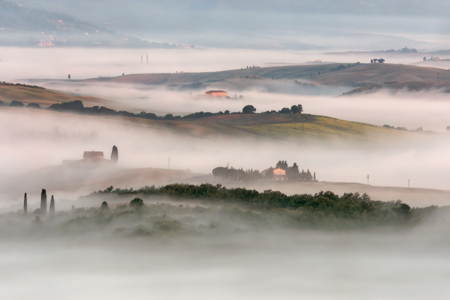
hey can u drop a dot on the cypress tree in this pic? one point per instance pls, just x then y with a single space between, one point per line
52 206
25 205
44 201
115 155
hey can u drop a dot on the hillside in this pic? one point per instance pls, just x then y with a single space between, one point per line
381 73
272 126
322 75
24 26
290 126
414 86
28 94
305 72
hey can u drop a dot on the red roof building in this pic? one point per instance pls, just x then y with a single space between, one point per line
216 93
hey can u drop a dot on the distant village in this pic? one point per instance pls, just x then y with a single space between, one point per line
281 172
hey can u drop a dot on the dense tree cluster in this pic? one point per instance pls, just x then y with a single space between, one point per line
348 210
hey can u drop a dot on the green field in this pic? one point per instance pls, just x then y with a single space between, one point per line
277 126
323 127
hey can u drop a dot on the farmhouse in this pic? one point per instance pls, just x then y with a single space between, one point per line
279 174
94 158
216 93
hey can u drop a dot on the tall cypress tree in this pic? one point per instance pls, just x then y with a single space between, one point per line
44 201
52 206
25 205
115 155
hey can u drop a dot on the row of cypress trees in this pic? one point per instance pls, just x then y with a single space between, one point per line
43 207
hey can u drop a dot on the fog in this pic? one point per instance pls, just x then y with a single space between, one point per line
269 24
17 64
73 256
175 247
35 142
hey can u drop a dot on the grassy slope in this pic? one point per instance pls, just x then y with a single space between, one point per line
276 126
284 72
380 73
412 86
279 126
44 97
376 73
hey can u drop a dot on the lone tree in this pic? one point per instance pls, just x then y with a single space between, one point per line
104 206
25 205
52 205
297 109
115 155
68 76
137 203
16 103
44 201
249 109
285 110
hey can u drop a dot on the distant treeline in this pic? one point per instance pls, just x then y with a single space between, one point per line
21 84
350 209
77 106
402 128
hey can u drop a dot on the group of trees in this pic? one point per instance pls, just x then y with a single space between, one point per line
77 106
16 103
420 129
318 209
295 109
22 85
376 60
239 175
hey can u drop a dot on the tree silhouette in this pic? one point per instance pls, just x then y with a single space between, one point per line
115 155
52 205
104 205
248 109
297 109
25 204
136 203
43 201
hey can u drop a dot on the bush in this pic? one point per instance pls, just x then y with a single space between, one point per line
15 103
33 105
136 203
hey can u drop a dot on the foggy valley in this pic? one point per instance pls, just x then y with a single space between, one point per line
224 150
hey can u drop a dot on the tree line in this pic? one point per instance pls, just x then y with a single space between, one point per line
77 106
323 207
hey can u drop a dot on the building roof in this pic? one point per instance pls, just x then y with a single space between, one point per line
215 91
279 172
93 154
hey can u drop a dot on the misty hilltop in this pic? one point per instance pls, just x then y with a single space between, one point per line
24 26
299 25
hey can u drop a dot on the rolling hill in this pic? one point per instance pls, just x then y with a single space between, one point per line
270 126
24 26
325 75
30 94
381 73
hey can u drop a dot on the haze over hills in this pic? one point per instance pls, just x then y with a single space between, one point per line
354 24
24 26
322 75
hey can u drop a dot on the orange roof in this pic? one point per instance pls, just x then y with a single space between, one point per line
215 91
279 172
